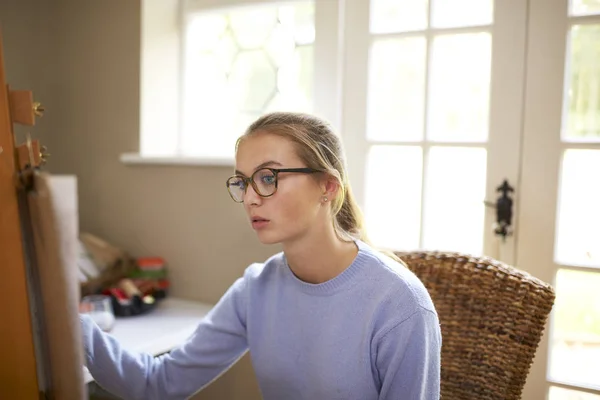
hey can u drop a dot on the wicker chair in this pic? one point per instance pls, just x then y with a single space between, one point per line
492 317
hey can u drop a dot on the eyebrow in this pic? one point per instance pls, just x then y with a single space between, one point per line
263 165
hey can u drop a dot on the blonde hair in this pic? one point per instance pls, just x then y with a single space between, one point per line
321 149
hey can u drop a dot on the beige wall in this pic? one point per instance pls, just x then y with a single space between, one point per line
81 58
26 44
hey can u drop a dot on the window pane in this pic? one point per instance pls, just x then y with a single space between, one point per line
251 26
207 29
459 88
295 83
454 194
398 15
455 13
575 339
253 80
583 95
396 89
565 394
585 7
281 45
207 113
304 59
578 225
393 196
300 18
239 64
225 51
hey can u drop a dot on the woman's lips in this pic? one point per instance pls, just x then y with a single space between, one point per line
259 223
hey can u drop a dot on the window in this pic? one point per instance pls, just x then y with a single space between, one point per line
210 67
240 63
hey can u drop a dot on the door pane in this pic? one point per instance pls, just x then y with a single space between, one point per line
575 339
454 13
565 394
585 7
454 195
396 89
398 15
459 88
393 196
583 81
578 225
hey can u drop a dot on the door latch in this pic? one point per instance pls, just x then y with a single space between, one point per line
504 210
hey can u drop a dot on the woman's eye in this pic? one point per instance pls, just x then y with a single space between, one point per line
268 179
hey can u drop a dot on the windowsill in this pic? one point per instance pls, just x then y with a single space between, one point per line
138 159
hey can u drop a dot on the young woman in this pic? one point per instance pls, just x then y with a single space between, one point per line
328 318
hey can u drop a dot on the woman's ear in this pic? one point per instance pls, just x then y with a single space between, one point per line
330 187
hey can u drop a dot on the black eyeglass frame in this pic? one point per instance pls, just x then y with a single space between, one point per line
275 171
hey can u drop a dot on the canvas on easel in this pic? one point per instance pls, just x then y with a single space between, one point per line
40 338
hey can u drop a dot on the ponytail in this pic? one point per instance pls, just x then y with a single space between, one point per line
349 222
349 218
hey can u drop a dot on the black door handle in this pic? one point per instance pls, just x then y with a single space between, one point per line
504 210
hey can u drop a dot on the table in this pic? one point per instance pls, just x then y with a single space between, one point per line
160 330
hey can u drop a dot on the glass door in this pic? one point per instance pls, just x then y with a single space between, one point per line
559 235
432 116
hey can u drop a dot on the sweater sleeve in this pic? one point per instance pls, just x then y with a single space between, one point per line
217 343
408 358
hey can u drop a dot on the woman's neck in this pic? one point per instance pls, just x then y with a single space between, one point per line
319 258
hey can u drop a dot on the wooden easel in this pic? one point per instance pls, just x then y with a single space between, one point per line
18 373
41 349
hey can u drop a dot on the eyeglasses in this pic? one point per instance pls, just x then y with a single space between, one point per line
264 182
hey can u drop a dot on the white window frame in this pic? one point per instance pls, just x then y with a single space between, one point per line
162 68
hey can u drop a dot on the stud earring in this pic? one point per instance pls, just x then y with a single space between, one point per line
325 198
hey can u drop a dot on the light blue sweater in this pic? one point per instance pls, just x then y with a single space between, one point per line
370 333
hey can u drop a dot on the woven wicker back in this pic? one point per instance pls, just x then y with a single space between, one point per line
492 317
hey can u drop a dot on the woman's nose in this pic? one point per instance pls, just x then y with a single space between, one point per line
251 197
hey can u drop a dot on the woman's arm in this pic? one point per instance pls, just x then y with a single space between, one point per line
218 342
408 358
